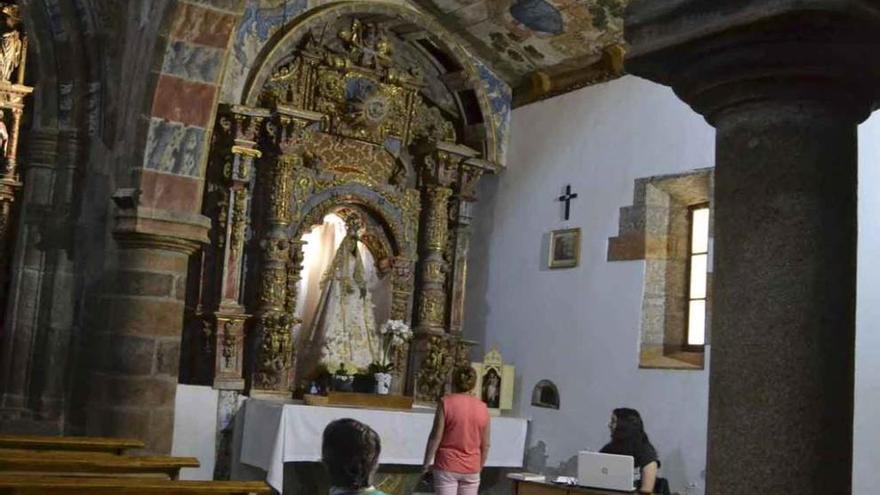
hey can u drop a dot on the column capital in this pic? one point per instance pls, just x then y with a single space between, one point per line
141 227
440 162
719 56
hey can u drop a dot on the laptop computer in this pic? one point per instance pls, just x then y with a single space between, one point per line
606 471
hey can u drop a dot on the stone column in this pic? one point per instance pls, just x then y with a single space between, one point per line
133 388
785 85
39 329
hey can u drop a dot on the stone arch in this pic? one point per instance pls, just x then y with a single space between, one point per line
285 41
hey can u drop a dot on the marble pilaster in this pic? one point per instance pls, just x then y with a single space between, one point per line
39 320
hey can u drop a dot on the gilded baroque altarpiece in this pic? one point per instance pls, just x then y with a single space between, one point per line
348 123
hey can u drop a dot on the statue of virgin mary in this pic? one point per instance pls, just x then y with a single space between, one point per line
343 331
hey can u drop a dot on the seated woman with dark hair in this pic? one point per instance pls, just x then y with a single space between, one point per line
628 437
350 452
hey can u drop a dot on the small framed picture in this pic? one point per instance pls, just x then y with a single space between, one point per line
565 248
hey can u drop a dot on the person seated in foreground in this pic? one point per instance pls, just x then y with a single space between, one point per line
350 452
628 437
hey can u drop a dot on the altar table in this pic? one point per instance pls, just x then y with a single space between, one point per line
275 433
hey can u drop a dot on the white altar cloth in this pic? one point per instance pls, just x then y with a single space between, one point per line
276 433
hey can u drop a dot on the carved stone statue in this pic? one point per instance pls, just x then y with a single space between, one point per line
10 42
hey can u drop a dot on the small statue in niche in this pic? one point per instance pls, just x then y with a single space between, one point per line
10 42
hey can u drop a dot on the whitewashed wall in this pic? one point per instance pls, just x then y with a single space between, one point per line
195 429
580 327
866 455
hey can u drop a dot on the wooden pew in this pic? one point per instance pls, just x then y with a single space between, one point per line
32 485
78 444
92 463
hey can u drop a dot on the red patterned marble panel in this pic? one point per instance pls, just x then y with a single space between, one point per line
170 192
202 26
191 103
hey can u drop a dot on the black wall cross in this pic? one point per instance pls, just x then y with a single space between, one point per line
566 198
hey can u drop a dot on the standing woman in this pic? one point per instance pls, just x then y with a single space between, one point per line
628 437
459 442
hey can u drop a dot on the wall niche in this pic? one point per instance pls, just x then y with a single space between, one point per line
546 395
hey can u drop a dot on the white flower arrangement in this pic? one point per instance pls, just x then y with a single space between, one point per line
393 333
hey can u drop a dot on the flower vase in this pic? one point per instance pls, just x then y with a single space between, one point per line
383 383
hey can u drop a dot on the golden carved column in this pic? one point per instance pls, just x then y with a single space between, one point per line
431 356
282 145
432 290
429 348
273 373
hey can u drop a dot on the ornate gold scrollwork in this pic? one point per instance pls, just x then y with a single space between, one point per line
432 306
239 220
435 271
294 270
274 287
433 370
436 227
429 124
280 194
275 355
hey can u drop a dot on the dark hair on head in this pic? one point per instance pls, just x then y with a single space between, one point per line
630 428
350 451
464 379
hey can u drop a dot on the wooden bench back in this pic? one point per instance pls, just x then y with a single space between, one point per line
78 444
31 485
66 462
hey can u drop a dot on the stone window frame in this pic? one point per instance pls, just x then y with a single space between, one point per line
656 229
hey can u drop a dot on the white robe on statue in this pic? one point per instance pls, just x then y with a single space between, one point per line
343 330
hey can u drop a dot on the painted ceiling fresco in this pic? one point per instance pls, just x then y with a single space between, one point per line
518 37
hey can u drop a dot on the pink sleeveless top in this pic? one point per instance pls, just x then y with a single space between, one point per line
466 417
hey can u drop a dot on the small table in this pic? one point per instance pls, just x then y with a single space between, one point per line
523 487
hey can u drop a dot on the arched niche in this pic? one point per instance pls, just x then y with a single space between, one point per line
546 394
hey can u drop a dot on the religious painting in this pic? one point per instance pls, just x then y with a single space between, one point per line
565 248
